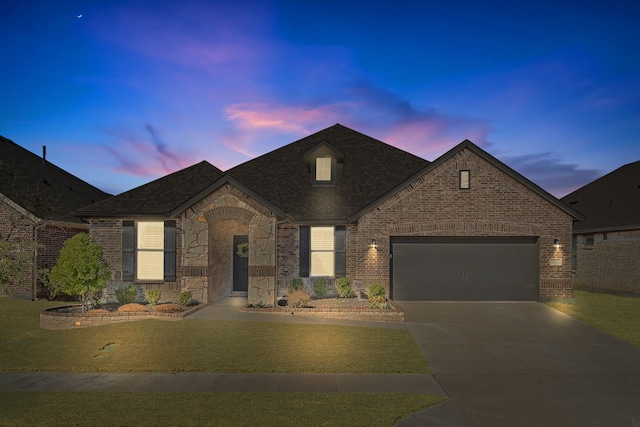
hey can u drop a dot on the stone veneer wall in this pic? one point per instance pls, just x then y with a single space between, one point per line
609 264
203 263
495 205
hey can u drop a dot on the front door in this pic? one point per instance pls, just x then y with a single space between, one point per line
240 263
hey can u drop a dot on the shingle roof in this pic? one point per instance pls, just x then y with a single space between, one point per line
370 168
158 197
40 187
610 202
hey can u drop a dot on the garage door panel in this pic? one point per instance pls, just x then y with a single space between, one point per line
465 271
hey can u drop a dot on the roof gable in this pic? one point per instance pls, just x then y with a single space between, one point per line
40 187
468 145
611 202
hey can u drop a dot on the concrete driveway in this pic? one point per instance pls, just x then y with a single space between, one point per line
523 364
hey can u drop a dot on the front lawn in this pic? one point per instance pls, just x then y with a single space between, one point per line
209 409
615 315
200 345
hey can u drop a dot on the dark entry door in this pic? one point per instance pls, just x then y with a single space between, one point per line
240 263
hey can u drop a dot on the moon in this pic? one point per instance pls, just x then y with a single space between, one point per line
79 16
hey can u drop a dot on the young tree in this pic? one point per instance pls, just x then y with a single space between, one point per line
81 269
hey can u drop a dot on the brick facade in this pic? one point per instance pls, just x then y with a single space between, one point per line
41 242
433 205
495 205
608 261
108 233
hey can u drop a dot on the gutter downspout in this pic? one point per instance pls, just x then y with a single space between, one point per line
275 293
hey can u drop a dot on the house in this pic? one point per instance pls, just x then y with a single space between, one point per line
37 201
606 244
340 203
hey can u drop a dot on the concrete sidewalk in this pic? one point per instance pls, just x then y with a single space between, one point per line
219 382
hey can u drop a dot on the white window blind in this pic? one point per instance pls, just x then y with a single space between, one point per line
150 251
322 251
323 169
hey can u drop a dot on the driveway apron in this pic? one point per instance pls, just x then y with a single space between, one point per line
523 364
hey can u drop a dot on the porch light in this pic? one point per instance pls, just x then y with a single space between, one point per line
556 243
374 245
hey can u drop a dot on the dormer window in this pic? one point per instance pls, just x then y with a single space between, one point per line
322 161
323 169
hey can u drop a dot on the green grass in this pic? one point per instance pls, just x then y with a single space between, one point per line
209 409
615 315
200 345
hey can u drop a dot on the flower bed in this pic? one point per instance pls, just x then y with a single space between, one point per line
71 316
338 308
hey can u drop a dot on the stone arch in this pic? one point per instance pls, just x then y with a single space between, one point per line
229 212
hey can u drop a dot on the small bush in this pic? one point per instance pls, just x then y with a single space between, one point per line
377 290
132 308
169 308
95 298
126 294
298 298
344 287
99 311
153 296
320 287
378 302
185 298
296 284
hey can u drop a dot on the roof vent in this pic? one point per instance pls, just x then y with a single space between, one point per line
44 154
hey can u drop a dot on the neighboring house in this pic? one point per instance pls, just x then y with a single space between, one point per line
606 244
339 203
37 201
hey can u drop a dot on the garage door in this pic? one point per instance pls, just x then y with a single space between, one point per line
482 269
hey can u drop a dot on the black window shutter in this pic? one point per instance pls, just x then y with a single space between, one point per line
305 244
128 250
170 251
340 244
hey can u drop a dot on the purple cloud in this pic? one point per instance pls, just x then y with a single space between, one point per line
555 176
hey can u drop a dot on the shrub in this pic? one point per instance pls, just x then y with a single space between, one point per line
81 268
169 308
132 308
99 311
54 288
95 298
377 290
185 298
344 287
126 294
320 287
153 296
296 284
298 298
378 302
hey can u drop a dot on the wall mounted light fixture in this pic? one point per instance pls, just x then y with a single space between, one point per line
556 243
374 244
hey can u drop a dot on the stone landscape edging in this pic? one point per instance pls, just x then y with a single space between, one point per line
393 314
56 320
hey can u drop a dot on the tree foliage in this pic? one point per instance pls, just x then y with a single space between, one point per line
81 269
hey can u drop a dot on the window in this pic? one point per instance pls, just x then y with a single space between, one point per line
323 169
322 251
588 240
322 255
465 179
149 250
